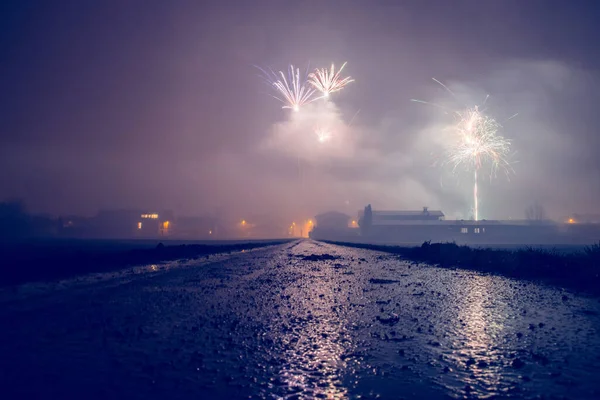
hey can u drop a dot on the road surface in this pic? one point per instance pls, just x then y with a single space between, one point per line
300 320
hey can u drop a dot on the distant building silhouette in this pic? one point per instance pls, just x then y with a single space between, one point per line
395 217
332 225
580 218
332 220
131 223
16 222
365 220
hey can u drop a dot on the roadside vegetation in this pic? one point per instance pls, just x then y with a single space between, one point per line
576 271
27 263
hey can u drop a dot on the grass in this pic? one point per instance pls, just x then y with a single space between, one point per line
578 271
28 263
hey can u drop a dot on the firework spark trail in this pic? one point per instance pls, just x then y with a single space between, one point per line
475 198
352 119
328 81
477 144
293 91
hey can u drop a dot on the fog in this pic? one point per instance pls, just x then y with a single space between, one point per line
121 106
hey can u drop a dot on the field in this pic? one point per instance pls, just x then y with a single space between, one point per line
38 260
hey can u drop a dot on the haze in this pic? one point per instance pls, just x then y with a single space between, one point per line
158 104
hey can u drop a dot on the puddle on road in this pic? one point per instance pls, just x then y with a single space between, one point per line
480 336
291 323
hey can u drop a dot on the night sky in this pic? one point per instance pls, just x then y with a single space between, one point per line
120 104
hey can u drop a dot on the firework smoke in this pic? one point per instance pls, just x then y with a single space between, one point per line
328 81
476 144
323 135
318 133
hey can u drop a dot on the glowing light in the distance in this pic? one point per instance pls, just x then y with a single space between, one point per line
323 135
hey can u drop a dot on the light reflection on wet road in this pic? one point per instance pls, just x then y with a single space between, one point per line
302 320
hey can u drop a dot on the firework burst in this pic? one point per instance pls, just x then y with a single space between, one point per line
328 81
476 144
293 89
323 135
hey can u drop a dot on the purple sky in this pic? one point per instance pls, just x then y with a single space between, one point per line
157 104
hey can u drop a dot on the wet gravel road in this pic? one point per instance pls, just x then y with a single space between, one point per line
300 320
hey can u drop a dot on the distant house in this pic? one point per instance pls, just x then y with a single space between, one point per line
131 223
332 220
403 217
152 224
416 227
333 225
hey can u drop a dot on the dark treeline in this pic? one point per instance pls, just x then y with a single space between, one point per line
16 222
578 271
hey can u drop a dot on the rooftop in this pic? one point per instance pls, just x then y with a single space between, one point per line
458 222
330 214
409 213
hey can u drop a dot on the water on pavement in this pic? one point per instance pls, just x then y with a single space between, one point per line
300 320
